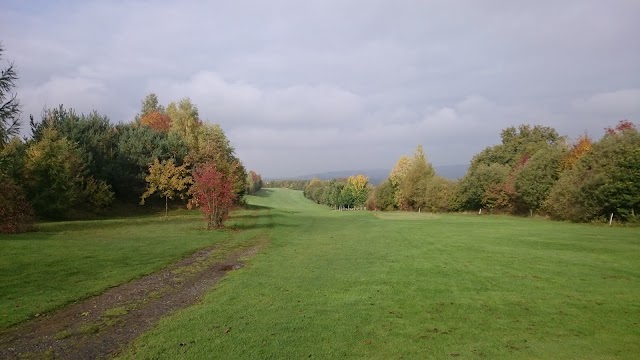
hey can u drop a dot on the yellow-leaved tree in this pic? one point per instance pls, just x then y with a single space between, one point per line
167 180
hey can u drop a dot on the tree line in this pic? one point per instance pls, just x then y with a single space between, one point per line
83 163
533 171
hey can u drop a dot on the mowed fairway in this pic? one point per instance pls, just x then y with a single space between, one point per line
386 286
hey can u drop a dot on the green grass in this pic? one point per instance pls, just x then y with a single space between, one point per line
352 284
375 286
67 261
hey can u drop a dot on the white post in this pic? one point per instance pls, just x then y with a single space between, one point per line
418 209
480 211
611 219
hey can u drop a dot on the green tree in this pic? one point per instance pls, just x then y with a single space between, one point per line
538 176
16 213
356 190
54 172
167 180
605 180
439 194
9 104
382 197
478 188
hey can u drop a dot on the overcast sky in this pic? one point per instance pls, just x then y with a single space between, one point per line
302 87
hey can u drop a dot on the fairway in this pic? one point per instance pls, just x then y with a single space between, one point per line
357 284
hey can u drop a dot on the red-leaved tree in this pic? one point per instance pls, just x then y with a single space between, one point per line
212 192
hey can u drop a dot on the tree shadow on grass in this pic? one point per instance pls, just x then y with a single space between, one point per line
257 226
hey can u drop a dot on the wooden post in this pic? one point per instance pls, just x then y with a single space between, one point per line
611 219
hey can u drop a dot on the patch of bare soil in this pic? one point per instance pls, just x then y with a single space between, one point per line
100 327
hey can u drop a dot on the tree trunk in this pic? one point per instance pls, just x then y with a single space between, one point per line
166 206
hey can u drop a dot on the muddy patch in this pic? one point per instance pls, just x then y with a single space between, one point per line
100 327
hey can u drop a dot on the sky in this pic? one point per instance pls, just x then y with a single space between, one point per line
305 87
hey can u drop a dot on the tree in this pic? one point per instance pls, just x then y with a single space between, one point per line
212 192
439 194
382 197
54 172
577 151
9 104
356 190
605 180
212 145
538 176
414 184
480 187
185 120
516 143
396 176
149 105
157 121
254 182
166 179
137 147
16 213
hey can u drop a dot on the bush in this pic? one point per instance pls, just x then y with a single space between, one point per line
16 213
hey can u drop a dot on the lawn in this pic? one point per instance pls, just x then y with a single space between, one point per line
371 285
67 261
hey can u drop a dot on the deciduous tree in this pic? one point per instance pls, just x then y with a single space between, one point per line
212 192
167 180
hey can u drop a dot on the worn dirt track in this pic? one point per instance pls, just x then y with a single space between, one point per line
100 327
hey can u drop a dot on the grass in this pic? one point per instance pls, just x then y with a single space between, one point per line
67 261
374 286
352 284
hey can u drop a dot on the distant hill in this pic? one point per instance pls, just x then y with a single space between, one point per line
377 176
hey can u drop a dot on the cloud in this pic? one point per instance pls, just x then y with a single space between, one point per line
307 87
621 102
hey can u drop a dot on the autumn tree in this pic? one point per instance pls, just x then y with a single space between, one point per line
605 180
185 120
356 190
9 104
149 105
212 192
416 181
254 182
167 180
582 145
212 145
396 177
157 121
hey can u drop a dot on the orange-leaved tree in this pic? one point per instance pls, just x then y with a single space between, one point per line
157 121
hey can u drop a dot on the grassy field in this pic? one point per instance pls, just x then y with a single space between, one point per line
352 284
67 261
371 285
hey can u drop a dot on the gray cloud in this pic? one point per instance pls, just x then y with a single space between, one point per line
312 86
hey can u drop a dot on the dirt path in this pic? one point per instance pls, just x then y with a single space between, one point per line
100 327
